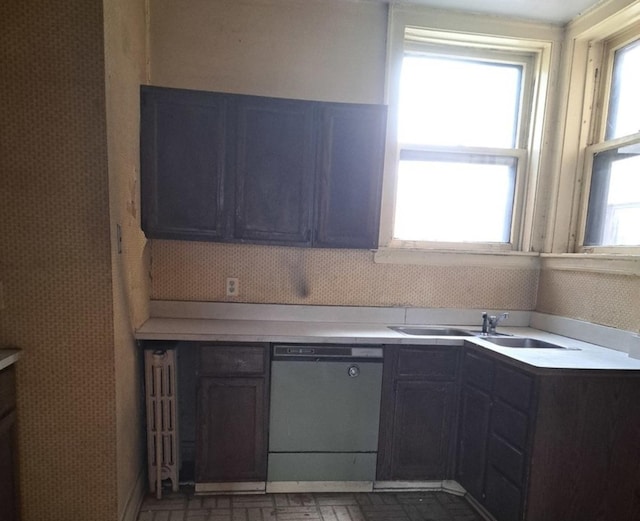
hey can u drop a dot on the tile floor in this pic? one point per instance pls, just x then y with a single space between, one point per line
405 506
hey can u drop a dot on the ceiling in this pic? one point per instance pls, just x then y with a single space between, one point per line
552 11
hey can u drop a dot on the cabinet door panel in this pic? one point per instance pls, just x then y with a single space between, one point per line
472 447
350 176
433 363
231 437
274 155
503 498
422 429
183 140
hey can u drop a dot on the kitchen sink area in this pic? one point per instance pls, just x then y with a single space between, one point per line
527 343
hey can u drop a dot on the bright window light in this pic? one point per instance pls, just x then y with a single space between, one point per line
452 201
623 117
446 101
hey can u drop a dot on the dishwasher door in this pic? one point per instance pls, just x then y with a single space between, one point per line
324 417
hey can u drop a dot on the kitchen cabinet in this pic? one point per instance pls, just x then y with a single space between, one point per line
235 168
273 165
232 413
419 396
349 177
183 157
548 445
8 477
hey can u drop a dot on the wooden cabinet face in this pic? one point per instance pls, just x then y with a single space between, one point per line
422 429
234 168
8 483
472 445
274 160
417 413
350 175
183 139
231 438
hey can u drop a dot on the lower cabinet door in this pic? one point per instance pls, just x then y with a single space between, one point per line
231 430
422 432
472 445
8 488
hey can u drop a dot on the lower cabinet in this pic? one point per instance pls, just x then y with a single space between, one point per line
549 445
417 413
232 413
8 478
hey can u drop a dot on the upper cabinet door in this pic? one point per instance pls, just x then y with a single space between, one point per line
350 175
273 156
183 136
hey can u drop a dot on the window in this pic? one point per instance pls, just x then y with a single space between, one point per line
612 215
462 115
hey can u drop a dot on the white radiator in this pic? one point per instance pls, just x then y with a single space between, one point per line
162 425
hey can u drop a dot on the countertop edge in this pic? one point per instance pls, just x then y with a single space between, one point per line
8 357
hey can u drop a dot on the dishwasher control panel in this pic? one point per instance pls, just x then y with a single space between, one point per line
325 351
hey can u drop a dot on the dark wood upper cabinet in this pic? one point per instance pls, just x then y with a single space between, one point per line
350 175
183 156
234 168
273 156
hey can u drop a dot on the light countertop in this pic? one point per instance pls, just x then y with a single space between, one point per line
582 355
8 356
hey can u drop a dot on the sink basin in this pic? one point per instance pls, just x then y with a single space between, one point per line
525 343
430 331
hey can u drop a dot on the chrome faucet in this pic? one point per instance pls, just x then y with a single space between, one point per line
489 323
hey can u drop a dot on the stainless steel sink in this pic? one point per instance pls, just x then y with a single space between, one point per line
430 331
526 343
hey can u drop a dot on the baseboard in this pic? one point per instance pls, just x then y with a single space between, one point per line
277 487
249 487
132 508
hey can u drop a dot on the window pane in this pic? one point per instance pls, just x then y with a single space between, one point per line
623 118
613 218
445 200
455 102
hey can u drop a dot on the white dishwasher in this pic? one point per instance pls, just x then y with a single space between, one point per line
324 418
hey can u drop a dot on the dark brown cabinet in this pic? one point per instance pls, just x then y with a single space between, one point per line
183 158
234 168
8 481
417 413
232 413
549 445
273 158
350 170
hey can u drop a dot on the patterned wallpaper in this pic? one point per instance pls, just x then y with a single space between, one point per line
282 275
55 256
606 299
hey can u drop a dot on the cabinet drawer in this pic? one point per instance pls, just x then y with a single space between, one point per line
478 371
507 459
514 387
7 391
228 360
433 363
510 424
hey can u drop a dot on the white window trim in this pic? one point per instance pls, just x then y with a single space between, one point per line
575 107
540 40
601 56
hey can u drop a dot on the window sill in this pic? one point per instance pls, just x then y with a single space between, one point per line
493 259
613 264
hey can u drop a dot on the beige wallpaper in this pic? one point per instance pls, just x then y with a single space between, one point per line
198 271
56 265
125 52
606 299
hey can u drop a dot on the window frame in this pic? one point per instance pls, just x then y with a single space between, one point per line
601 55
497 44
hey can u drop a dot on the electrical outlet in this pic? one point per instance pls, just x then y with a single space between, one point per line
233 287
